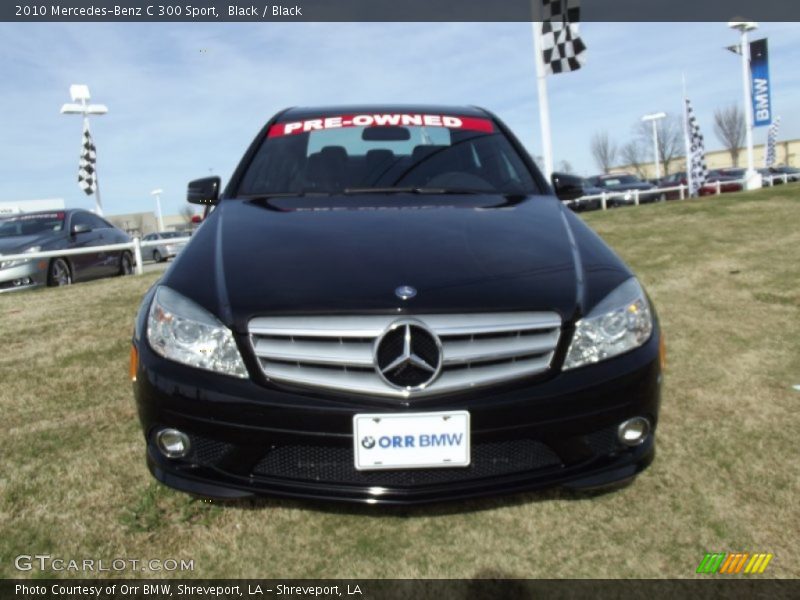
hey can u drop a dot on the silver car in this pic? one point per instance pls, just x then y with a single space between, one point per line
167 248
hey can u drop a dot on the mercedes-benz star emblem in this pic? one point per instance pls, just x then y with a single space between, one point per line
405 292
368 442
408 355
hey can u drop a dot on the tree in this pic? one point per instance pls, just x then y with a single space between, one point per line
604 151
565 167
729 127
634 154
670 139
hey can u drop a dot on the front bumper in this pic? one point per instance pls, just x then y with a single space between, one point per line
252 438
30 274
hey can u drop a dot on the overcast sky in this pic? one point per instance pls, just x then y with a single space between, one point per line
186 99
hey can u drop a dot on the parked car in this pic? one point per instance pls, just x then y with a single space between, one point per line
792 173
768 178
386 305
674 180
571 189
59 230
166 250
729 181
622 186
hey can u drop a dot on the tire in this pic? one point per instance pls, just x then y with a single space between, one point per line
157 256
125 264
58 273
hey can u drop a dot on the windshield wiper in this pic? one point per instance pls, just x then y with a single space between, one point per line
412 190
301 194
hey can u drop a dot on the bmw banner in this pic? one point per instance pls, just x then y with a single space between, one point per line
759 74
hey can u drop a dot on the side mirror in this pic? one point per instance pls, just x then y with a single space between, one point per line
567 188
80 228
204 191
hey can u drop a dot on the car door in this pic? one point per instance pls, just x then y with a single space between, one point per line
147 251
107 260
85 265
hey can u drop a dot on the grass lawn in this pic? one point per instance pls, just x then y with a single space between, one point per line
724 274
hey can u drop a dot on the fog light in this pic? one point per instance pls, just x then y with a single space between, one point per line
172 443
633 431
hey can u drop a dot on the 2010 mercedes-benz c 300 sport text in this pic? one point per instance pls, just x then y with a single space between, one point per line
388 305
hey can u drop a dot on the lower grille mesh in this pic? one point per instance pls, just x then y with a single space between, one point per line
335 464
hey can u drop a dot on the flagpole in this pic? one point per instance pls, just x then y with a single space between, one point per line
544 104
686 141
80 106
98 205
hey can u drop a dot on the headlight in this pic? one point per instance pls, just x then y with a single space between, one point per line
20 261
621 322
180 330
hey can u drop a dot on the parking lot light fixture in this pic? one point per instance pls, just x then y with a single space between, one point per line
752 179
157 193
654 118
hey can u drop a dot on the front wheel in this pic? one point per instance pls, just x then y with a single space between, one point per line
125 264
58 274
157 256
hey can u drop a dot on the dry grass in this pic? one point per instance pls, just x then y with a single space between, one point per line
724 275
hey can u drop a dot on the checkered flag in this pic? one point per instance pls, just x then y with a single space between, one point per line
772 138
87 175
563 49
696 161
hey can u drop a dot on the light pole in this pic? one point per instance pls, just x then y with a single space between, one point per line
655 117
80 106
157 193
752 177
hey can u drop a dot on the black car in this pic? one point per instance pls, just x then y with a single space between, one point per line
792 173
47 231
388 305
573 190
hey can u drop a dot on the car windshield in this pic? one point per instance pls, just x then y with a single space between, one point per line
20 225
172 234
618 179
386 153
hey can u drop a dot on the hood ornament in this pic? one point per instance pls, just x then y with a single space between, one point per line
405 292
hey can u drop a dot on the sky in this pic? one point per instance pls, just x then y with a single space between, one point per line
186 99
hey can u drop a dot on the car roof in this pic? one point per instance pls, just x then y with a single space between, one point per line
306 112
66 211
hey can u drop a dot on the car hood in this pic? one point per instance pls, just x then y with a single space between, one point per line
19 243
350 254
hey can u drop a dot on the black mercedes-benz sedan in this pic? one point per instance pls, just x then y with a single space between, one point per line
387 304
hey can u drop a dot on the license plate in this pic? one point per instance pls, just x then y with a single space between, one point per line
411 440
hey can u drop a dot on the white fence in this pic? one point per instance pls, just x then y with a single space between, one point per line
660 193
136 246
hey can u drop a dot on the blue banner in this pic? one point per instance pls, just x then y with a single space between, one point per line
759 77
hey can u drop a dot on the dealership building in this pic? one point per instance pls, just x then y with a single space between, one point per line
143 223
786 153
13 207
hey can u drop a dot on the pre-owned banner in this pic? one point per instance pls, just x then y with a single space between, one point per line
759 77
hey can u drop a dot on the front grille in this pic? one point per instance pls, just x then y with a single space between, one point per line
208 452
335 464
337 352
604 442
